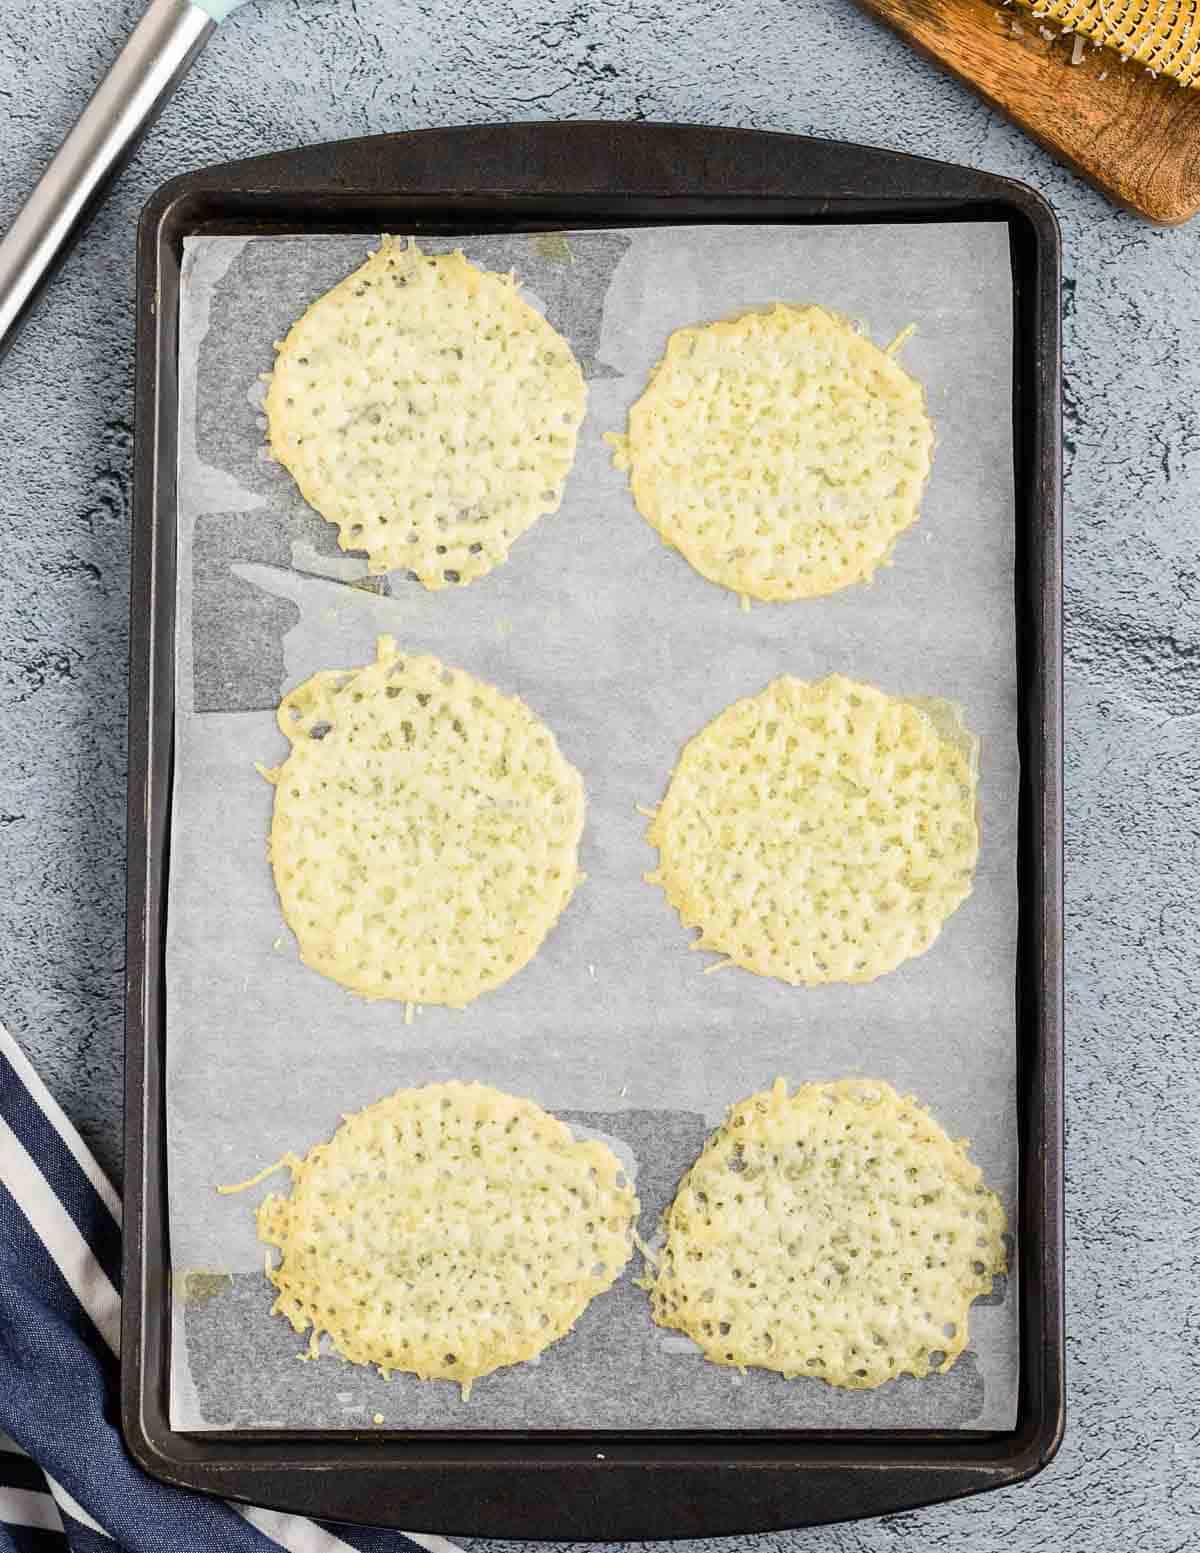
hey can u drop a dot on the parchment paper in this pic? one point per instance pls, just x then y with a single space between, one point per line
626 652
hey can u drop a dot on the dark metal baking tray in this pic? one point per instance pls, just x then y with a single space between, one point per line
599 1485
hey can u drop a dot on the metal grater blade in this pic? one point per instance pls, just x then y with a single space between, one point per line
1162 35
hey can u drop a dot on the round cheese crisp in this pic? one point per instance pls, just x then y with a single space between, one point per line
837 1233
447 1231
426 829
782 452
821 832
429 411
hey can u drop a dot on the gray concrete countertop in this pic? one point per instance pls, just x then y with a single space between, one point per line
289 71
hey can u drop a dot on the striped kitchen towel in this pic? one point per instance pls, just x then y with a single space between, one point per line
65 1479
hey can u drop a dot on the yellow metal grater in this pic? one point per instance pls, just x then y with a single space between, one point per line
1162 35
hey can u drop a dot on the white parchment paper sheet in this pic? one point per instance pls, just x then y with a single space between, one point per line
626 652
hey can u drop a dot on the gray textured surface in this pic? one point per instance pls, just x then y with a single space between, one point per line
287 71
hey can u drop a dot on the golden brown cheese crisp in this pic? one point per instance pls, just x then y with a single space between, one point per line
426 829
837 1232
821 832
447 1231
429 411
780 451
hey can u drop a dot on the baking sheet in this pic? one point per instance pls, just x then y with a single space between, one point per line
626 652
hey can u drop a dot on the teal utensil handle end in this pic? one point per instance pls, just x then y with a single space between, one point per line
218 9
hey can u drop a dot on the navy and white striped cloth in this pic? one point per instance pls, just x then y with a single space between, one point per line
65 1479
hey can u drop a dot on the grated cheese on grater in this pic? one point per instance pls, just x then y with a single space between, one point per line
1161 35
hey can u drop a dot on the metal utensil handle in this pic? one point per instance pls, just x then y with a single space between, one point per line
157 56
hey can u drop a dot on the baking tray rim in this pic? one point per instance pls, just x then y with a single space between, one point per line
524 176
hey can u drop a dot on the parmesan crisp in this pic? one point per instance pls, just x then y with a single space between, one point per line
781 452
429 411
836 1232
426 829
821 832
447 1232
